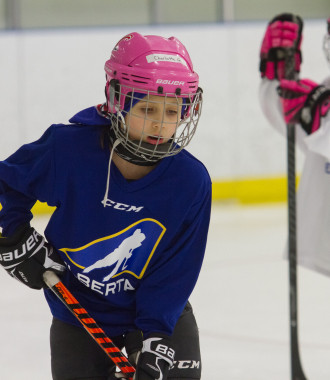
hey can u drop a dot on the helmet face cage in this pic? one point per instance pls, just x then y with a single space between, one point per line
326 47
169 136
326 42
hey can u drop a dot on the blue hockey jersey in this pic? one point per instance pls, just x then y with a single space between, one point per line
132 261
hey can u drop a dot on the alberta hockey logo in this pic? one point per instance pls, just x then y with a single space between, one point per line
119 256
103 262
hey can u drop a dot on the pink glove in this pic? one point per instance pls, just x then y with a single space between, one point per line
304 102
283 32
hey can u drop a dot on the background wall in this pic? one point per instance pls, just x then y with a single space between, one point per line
48 75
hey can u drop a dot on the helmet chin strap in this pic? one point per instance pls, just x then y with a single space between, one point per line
125 154
106 194
118 148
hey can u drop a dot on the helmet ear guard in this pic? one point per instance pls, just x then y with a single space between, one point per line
112 92
192 104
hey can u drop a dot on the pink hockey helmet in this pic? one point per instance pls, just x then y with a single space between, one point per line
141 66
149 63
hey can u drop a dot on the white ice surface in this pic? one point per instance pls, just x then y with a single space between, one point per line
241 305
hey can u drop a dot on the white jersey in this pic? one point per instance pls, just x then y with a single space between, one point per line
313 196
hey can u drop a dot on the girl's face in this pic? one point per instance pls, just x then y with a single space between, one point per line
154 119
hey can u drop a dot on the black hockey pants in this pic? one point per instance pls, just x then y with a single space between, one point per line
75 356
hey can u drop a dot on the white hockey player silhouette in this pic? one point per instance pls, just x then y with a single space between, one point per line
121 254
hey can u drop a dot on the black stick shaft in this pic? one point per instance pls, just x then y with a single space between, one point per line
297 372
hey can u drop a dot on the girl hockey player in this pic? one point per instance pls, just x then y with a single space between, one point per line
131 219
307 104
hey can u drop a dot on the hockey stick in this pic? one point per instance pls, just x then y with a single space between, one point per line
297 372
111 350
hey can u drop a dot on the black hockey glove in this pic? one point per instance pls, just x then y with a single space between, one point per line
152 357
283 32
26 256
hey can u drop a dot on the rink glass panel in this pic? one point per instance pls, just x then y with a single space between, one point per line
25 14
